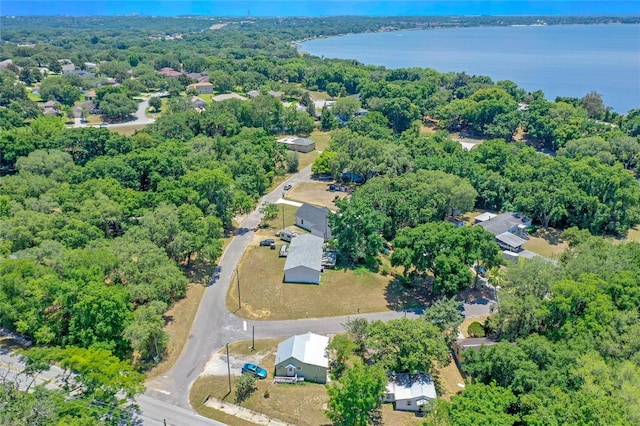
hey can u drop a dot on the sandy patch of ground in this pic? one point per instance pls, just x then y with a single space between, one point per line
315 193
217 365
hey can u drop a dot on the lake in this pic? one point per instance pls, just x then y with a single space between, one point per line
569 60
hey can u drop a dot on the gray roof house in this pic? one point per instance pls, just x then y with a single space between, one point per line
227 96
475 343
304 260
410 392
303 356
315 220
298 144
509 229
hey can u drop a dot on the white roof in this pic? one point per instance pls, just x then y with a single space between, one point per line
485 216
227 96
510 239
308 348
406 386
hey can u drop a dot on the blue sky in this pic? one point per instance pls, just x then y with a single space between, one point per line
316 8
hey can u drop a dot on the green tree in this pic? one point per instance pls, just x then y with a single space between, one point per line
146 334
117 106
483 405
155 102
354 399
341 347
356 228
445 314
406 346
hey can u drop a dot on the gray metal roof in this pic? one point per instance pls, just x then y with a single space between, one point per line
504 222
305 250
308 348
510 239
313 214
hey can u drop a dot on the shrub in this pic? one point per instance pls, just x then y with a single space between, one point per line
475 329
245 385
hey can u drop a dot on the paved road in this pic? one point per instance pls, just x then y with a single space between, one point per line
139 118
214 326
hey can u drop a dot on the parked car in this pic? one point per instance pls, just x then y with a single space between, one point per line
268 242
482 271
288 187
255 370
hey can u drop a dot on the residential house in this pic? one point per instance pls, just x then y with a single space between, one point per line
203 88
304 260
68 68
509 229
456 221
198 76
410 392
298 144
5 64
90 95
169 72
227 96
473 343
82 73
255 93
315 220
198 103
90 66
304 356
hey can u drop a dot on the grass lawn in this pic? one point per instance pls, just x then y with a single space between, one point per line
546 242
151 113
322 143
315 193
634 234
451 380
342 291
310 398
398 418
128 130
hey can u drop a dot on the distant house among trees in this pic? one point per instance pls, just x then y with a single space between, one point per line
298 144
227 96
509 229
169 72
203 87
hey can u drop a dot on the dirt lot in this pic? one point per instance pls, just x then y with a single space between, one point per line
315 193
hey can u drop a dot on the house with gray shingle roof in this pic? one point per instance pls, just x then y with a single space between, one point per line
315 220
305 356
509 229
304 260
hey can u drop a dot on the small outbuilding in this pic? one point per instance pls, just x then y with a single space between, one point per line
410 392
298 144
304 357
315 220
304 260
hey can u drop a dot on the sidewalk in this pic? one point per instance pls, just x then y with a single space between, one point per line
244 413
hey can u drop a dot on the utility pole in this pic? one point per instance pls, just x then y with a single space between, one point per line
238 281
253 338
282 215
228 368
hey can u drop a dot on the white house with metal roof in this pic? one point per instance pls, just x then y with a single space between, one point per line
304 260
409 392
303 356
315 220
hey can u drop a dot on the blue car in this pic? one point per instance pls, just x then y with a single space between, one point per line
256 370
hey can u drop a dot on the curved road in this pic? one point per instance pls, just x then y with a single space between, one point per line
214 326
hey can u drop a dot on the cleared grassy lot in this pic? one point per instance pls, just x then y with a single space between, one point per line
315 193
341 291
546 242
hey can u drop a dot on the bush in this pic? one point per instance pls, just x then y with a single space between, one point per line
476 329
245 385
